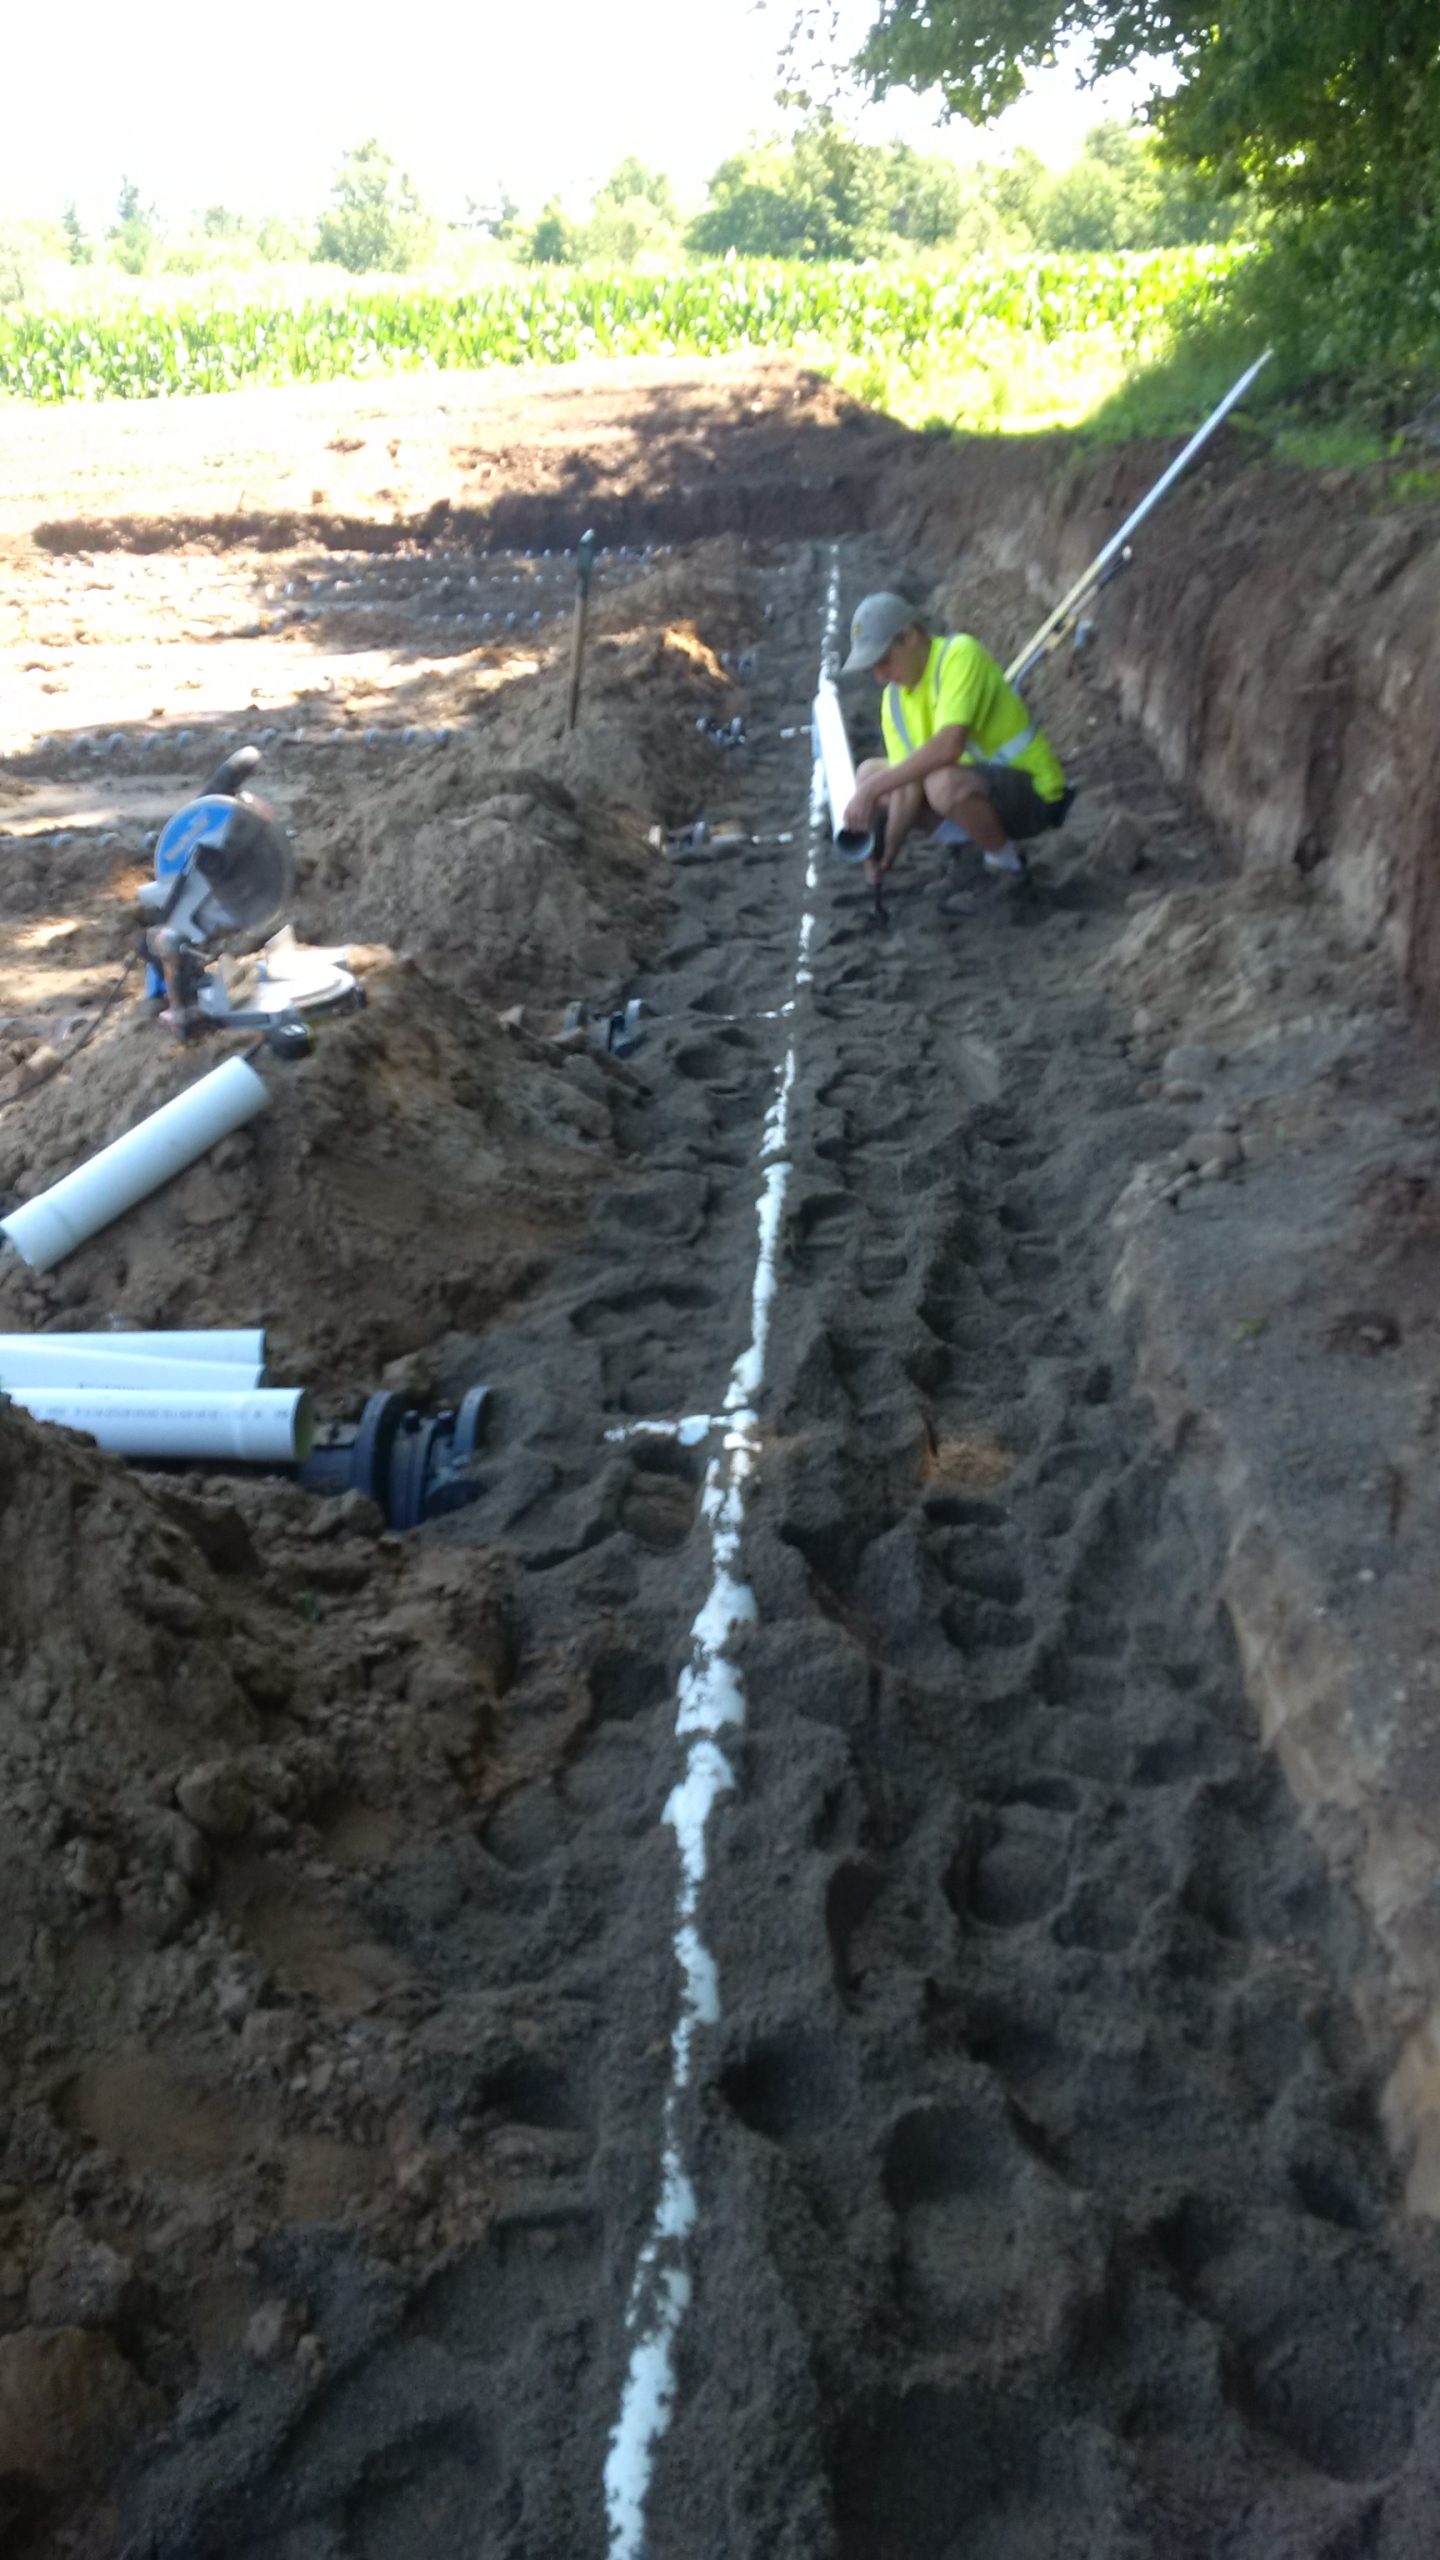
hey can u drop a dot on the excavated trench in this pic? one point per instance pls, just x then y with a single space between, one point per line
1040 2201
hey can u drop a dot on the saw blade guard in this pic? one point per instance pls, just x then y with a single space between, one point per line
223 869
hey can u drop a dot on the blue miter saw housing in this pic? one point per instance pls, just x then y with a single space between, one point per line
223 875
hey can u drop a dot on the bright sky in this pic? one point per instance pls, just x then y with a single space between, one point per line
253 107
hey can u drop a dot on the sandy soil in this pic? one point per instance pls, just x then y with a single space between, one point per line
1043 2199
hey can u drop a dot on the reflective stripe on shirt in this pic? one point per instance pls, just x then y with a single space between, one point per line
1013 747
1007 754
892 696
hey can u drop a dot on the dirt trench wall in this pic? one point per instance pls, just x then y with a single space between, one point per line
1277 638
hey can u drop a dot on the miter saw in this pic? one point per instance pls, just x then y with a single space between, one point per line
223 874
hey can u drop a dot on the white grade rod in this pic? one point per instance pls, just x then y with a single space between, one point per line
44 1364
1020 667
242 1348
832 746
51 1226
272 1426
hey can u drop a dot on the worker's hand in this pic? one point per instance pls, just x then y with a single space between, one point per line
877 864
860 812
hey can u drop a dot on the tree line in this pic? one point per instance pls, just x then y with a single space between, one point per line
820 193
823 193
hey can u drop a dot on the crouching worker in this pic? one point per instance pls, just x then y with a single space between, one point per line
962 754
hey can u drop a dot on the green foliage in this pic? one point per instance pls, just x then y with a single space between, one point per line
633 182
633 216
619 234
494 217
1322 105
1182 376
1324 113
754 208
926 197
1417 488
1016 190
977 54
77 248
134 235
280 243
902 316
1330 445
1120 194
376 223
555 239
16 269
1331 112
25 248
824 195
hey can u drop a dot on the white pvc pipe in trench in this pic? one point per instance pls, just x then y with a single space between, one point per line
832 748
271 1426
710 1705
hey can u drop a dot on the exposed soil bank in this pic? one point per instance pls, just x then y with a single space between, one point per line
1276 640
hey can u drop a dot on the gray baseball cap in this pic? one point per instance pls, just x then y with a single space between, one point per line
875 622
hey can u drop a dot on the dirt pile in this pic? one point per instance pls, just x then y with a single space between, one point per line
413 1175
410 1176
214 1697
491 877
514 857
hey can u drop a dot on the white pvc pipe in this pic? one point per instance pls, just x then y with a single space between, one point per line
832 747
271 1426
1035 649
243 1348
50 1227
39 1363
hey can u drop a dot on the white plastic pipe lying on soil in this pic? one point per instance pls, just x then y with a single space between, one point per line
46 1364
272 1426
832 747
48 1228
237 1347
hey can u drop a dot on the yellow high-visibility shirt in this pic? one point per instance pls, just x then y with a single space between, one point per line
963 687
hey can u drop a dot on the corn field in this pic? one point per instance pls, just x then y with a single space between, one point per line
554 317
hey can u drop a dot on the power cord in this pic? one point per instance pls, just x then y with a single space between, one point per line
32 1084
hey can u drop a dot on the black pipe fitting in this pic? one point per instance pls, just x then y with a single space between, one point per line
415 1466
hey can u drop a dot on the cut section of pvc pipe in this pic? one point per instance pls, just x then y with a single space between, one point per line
44 1364
272 1426
239 1347
52 1226
832 746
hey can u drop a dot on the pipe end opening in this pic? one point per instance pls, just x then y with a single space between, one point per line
854 844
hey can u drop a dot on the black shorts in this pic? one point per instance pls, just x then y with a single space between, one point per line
1017 804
